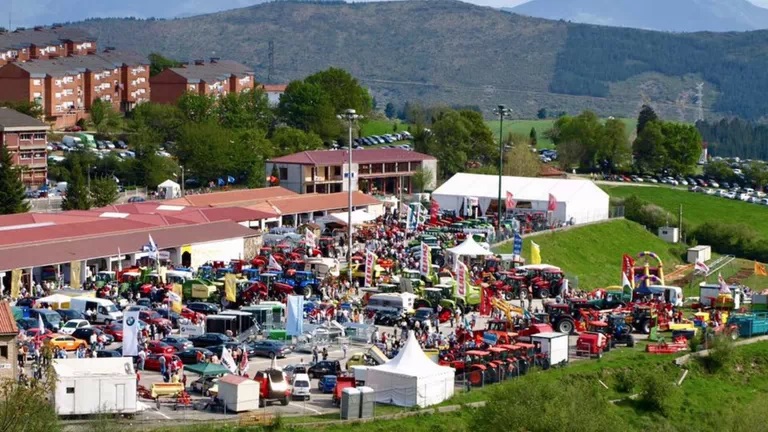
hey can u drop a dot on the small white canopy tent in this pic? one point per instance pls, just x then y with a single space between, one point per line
359 217
57 301
411 378
169 189
469 247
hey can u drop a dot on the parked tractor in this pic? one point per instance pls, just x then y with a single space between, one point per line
595 341
543 281
476 365
620 329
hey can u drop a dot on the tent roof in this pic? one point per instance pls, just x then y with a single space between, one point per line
55 299
88 367
411 361
523 188
470 247
205 369
168 183
358 217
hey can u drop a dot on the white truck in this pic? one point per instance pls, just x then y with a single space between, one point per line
96 310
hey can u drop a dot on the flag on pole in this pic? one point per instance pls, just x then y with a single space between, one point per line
274 265
130 333
517 247
625 284
702 268
724 288
41 324
510 204
119 260
552 204
310 238
760 269
227 360
535 253
175 301
151 248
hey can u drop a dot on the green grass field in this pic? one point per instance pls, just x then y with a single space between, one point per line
698 208
523 127
593 253
381 127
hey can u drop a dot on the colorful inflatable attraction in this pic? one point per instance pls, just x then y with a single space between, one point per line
647 269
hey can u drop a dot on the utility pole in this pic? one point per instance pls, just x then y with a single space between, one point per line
680 223
502 112
350 116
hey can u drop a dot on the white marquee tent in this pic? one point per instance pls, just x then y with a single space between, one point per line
411 378
469 247
169 189
579 199
359 217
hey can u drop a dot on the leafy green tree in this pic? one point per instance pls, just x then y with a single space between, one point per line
614 149
104 117
149 168
520 161
681 147
647 115
249 109
343 90
27 407
586 130
12 195
648 148
287 140
104 191
719 170
158 63
541 114
757 173
78 196
197 108
31 109
308 107
389 110
164 119
422 179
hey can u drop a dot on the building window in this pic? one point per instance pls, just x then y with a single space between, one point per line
25 136
4 352
283 173
39 136
70 390
337 171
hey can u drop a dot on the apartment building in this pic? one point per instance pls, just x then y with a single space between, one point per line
215 77
385 171
25 137
67 87
44 43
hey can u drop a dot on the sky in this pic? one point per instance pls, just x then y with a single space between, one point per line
27 13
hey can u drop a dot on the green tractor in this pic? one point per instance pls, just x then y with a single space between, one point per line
200 290
104 277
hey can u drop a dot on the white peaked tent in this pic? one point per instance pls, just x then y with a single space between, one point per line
469 248
359 217
170 188
411 378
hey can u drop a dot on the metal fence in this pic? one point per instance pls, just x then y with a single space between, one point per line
53 203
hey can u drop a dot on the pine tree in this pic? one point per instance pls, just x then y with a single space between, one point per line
534 138
12 196
647 115
78 196
104 191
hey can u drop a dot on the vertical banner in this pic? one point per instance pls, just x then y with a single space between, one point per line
15 283
461 279
434 210
131 333
424 263
510 203
410 224
230 288
310 238
227 360
294 319
535 253
74 274
370 262
175 301
517 249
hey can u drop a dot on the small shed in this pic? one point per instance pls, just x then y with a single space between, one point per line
95 386
554 346
669 234
699 253
169 189
239 393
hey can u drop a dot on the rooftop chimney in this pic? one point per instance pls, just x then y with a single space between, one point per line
199 62
39 28
215 59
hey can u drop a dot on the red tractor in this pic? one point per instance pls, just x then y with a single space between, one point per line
273 387
595 341
476 365
545 283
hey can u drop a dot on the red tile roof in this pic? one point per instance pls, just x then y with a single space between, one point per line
187 213
18 220
7 323
43 234
321 202
67 250
550 171
338 157
274 88
231 198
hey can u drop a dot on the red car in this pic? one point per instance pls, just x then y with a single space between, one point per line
115 330
157 347
34 333
152 317
191 315
153 362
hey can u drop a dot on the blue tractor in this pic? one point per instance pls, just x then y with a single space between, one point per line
620 330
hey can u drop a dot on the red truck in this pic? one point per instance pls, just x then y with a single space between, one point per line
273 387
342 382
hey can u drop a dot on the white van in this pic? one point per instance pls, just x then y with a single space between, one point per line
301 386
103 310
671 294
397 302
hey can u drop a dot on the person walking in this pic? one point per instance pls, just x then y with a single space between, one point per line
344 348
314 354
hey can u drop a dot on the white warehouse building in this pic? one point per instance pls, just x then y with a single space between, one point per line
577 200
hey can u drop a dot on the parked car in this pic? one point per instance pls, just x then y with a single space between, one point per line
153 361
85 334
189 356
203 308
301 386
158 347
178 342
206 340
70 326
152 317
327 383
108 353
70 314
324 368
294 370
270 348
67 343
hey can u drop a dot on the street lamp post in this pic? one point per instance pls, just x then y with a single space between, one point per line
502 112
350 116
182 181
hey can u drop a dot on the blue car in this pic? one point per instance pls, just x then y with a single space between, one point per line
327 383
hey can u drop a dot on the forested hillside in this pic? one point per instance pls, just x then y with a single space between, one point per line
735 138
457 53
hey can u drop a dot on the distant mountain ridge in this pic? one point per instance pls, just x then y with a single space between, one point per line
664 15
457 53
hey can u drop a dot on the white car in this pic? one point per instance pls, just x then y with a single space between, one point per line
301 386
70 326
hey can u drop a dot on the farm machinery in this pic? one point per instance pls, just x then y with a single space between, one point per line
595 341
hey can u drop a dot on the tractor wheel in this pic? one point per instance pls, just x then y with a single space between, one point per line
565 326
645 327
543 293
631 341
545 363
307 292
284 401
508 296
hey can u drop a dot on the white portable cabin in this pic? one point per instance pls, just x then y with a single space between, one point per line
239 393
671 294
401 302
95 386
554 345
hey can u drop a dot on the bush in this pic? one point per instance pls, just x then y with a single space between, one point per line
721 355
626 381
650 215
658 393
733 239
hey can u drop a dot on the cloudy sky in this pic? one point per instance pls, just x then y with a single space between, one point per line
27 13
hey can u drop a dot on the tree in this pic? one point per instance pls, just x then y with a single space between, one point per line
534 138
104 117
389 110
757 173
104 191
615 149
541 114
77 196
288 140
27 407
245 110
343 90
520 161
647 115
456 138
197 108
681 147
719 170
308 107
584 130
149 168
31 109
12 196
422 179
163 119
648 148
569 154
158 63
